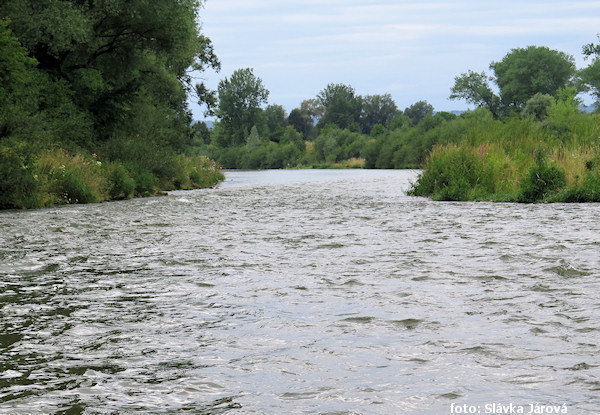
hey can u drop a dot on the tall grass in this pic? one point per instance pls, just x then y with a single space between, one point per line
55 176
524 160
70 178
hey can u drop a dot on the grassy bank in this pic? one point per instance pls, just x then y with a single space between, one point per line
55 176
520 159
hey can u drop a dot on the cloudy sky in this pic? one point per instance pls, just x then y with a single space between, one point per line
412 50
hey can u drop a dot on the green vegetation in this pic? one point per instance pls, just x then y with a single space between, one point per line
94 96
530 144
518 159
93 99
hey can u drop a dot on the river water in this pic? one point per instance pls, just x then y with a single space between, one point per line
300 292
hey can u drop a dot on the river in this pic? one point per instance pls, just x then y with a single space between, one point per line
300 292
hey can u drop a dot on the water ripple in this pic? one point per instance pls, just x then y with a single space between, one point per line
327 292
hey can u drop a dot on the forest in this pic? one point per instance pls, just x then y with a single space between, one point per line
94 106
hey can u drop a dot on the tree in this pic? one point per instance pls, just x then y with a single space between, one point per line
114 54
201 133
417 111
342 106
474 88
590 76
111 77
239 108
522 73
15 75
303 119
376 109
313 108
276 121
301 122
537 106
253 141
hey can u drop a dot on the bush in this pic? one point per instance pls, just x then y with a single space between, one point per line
19 184
70 179
120 184
455 173
204 172
145 182
541 182
587 191
73 188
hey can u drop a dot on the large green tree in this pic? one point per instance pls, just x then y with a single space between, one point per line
276 121
342 106
106 77
240 100
15 78
304 119
590 76
521 74
475 88
115 53
524 72
376 109
417 111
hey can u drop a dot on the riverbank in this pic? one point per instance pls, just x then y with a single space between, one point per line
56 177
491 173
555 159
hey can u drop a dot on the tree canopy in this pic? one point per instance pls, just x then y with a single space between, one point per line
524 72
521 74
239 109
474 88
417 111
590 76
342 106
376 109
109 53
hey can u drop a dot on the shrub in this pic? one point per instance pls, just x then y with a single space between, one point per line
19 184
455 173
541 182
204 172
588 190
537 106
120 184
145 182
73 188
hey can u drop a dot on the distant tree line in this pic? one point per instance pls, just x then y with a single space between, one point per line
338 127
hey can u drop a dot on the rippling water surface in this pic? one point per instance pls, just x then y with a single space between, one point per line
299 292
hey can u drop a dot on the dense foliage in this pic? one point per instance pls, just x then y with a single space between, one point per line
94 99
534 144
522 159
527 142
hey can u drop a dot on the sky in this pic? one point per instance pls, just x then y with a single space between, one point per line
412 50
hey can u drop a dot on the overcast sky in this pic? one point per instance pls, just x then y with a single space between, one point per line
412 50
